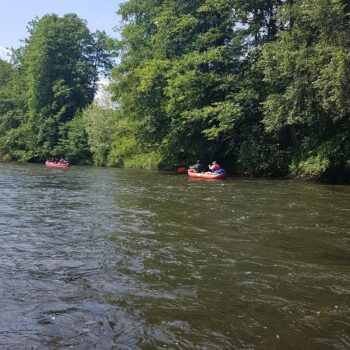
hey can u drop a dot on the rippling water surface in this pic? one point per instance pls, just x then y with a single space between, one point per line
117 259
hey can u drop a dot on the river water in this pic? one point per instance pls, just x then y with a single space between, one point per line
94 258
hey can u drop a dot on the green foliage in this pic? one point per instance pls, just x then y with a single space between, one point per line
259 155
164 86
55 75
312 167
143 161
261 86
73 143
99 124
307 73
14 140
61 72
126 151
15 143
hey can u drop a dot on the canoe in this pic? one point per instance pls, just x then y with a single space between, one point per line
49 164
206 175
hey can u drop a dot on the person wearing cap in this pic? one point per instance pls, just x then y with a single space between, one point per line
198 167
214 166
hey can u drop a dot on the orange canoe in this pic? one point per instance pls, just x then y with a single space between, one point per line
206 175
49 164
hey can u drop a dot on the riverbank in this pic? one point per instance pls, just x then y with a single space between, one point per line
341 177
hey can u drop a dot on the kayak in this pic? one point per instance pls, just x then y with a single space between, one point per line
209 176
49 164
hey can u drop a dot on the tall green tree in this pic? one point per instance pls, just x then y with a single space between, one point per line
57 70
307 75
61 61
100 123
13 109
187 76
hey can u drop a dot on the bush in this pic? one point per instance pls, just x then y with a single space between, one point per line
311 168
259 157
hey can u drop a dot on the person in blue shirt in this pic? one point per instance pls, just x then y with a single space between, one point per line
198 167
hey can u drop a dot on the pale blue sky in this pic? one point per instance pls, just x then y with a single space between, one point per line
16 14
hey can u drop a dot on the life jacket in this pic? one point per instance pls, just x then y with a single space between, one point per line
215 167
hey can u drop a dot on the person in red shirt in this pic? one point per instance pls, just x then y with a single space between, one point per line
214 166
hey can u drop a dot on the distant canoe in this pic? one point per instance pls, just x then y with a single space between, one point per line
49 164
207 176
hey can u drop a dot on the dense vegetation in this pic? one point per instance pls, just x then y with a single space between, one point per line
261 86
51 79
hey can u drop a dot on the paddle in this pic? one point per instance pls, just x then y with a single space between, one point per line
181 169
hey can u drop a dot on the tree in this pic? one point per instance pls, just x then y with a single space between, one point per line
99 123
187 79
307 75
59 68
73 142
13 141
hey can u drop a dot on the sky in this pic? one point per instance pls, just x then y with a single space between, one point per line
16 14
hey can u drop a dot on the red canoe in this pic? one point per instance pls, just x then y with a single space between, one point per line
49 164
206 175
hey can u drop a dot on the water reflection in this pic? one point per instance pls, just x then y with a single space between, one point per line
107 258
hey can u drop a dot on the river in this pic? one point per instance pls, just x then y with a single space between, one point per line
98 258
